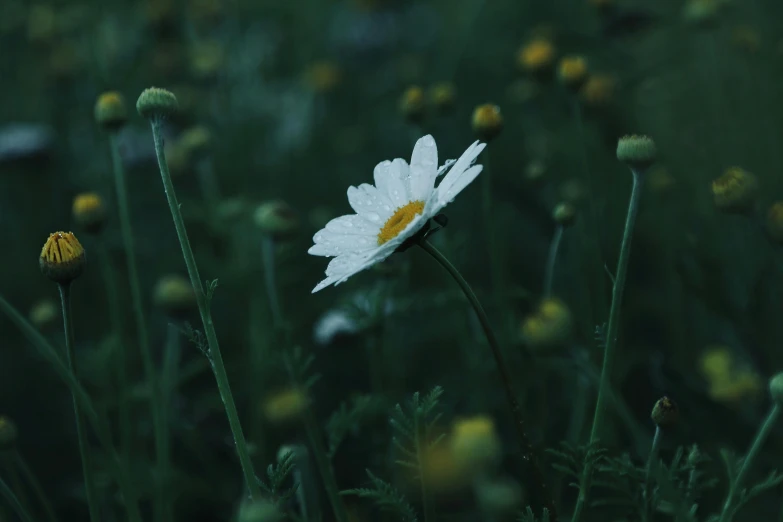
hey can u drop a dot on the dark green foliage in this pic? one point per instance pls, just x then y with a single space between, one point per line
349 418
414 428
529 516
572 460
276 475
386 497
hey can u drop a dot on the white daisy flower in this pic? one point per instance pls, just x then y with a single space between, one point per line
400 203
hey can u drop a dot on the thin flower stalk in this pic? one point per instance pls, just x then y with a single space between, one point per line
216 357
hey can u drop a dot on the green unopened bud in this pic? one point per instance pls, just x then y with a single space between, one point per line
62 257
111 113
776 389
8 433
665 413
276 218
45 314
156 103
259 511
638 152
735 190
564 214
175 295
443 97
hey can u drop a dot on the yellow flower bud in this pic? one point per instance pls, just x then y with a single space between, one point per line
549 326
111 113
665 413
735 190
475 444
564 214
598 90
285 406
536 56
487 122
572 71
89 212
443 97
62 257
175 295
413 104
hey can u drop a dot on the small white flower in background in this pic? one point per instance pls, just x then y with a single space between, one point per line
400 203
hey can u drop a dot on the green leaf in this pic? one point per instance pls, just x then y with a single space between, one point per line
386 497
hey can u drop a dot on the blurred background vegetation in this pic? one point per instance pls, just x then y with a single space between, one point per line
283 105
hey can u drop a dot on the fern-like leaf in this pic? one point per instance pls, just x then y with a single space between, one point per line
386 497
348 418
277 474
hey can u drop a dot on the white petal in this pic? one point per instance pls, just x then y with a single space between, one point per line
443 168
397 190
328 243
444 197
368 202
424 168
353 224
462 164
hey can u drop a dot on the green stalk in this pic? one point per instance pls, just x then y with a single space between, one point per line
611 335
35 485
268 260
527 449
15 504
206 315
138 311
728 507
170 377
652 463
102 431
115 316
81 430
550 263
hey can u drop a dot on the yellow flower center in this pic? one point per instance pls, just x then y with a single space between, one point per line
399 220
61 247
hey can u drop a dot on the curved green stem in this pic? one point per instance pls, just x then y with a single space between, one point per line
728 507
527 449
81 430
550 263
15 504
652 463
35 485
206 316
138 314
102 431
611 335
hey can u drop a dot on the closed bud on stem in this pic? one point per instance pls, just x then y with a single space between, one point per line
111 113
413 104
665 413
564 214
572 71
156 103
735 191
443 97
277 219
638 152
62 258
776 389
487 122
89 212
175 295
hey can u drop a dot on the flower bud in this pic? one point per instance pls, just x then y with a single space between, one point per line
775 222
45 314
598 90
89 212
572 71
665 413
111 113
277 219
443 97
322 77
776 389
175 295
475 445
196 141
549 326
564 214
735 191
156 103
285 406
537 56
62 258
487 122
8 433
413 104
638 152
